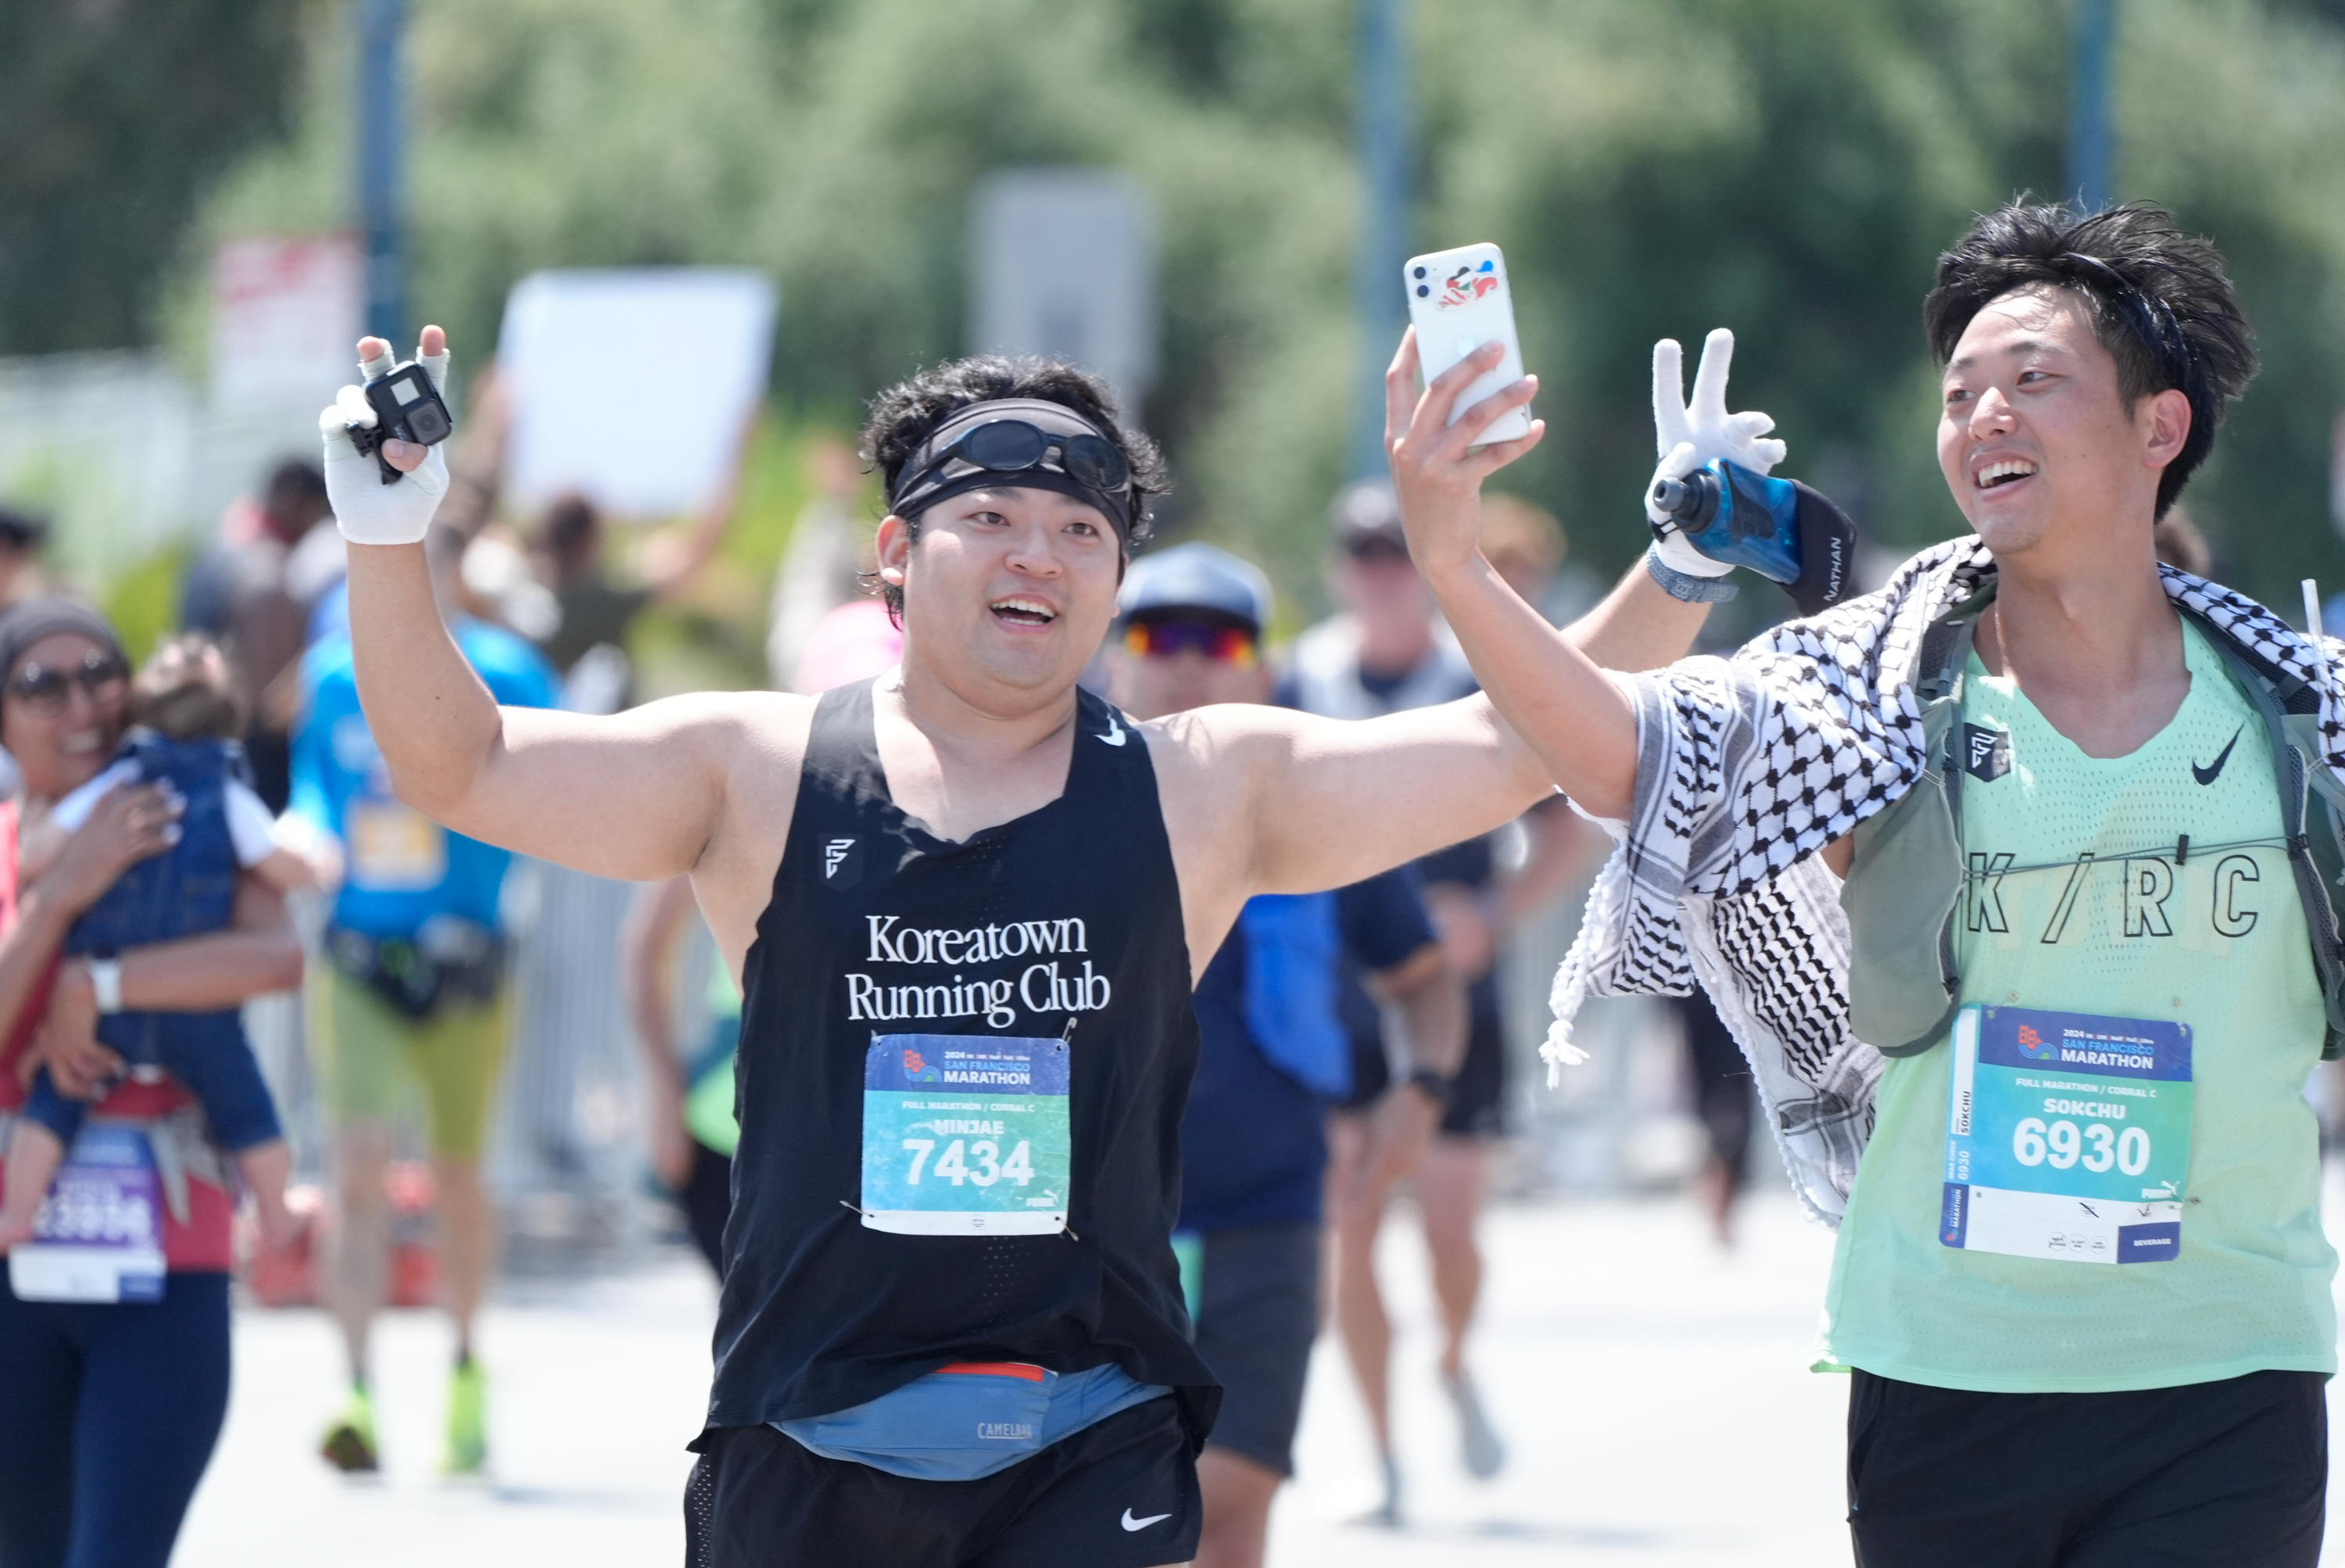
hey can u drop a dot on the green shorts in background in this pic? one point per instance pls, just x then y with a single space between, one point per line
369 1057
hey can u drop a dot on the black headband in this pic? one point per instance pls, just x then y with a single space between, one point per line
922 482
2154 322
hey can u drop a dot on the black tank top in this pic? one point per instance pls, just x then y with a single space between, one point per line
1067 915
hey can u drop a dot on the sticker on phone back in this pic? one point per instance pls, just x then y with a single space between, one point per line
965 1134
2069 1135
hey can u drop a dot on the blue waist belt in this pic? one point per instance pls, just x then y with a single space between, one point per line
970 1420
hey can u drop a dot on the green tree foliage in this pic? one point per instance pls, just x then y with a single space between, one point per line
114 119
1788 168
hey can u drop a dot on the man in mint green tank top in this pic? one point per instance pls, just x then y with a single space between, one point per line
2042 1055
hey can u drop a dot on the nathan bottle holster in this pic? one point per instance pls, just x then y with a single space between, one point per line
1780 528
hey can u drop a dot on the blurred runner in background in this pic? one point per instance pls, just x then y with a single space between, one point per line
1272 1055
1387 652
1723 1091
410 995
693 1127
253 593
822 567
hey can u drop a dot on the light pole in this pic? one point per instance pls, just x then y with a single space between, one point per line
2088 106
1382 116
381 127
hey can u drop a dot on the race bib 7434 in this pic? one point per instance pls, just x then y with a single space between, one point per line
965 1134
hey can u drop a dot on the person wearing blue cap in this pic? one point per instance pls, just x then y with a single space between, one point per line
1272 1056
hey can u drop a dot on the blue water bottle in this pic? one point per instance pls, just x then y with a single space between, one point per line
1780 528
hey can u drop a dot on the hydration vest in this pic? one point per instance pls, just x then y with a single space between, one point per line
1903 890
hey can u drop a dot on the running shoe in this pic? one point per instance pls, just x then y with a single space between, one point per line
1385 1516
1484 1451
468 1419
349 1445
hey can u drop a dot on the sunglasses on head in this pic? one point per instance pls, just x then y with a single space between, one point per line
1219 641
44 687
1008 445
1376 547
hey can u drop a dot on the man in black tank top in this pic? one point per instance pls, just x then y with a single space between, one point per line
967 902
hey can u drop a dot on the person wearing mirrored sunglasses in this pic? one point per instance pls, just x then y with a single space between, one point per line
109 1409
1272 1057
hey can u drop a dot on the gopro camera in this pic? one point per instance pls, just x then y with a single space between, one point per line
409 408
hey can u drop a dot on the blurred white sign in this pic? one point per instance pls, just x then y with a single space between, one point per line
1065 265
286 318
632 386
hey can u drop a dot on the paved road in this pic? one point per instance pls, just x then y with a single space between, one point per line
1654 1394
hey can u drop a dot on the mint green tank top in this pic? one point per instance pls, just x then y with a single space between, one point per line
2082 900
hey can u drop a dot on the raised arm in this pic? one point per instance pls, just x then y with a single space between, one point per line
1269 800
638 796
1541 679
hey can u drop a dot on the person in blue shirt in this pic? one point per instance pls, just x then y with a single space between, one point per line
410 995
1272 1056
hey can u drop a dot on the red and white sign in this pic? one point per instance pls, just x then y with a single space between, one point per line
286 316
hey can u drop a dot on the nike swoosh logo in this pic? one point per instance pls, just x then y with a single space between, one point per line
2208 775
1131 1523
1114 736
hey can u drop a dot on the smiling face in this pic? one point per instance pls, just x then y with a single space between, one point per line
2041 453
61 746
1007 592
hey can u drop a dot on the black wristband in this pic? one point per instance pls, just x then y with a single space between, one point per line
1437 1086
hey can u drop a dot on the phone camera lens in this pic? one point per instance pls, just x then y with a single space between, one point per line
1420 272
1422 290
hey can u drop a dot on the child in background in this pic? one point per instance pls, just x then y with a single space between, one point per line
185 710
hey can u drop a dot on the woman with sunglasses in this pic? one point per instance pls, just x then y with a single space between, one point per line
108 1409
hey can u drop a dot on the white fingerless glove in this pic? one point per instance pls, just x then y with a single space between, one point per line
368 510
1689 436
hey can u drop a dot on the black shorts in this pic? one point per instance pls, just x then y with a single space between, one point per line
1477 1097
2232 1473
1120 1494
1257 1313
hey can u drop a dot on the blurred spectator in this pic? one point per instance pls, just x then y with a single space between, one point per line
109 1409
822 568
568 544
1386 652
21 538
254 592
1527 546
411 995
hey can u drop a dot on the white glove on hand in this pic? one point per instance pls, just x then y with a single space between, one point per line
368 510
1690 435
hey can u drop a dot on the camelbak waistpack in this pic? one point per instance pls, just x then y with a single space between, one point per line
1904 887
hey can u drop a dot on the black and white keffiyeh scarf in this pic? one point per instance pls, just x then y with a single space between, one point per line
1750 763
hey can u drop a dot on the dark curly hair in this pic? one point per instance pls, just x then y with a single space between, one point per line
902 416
2160 300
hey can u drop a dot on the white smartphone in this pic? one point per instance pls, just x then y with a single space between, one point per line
1460 299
